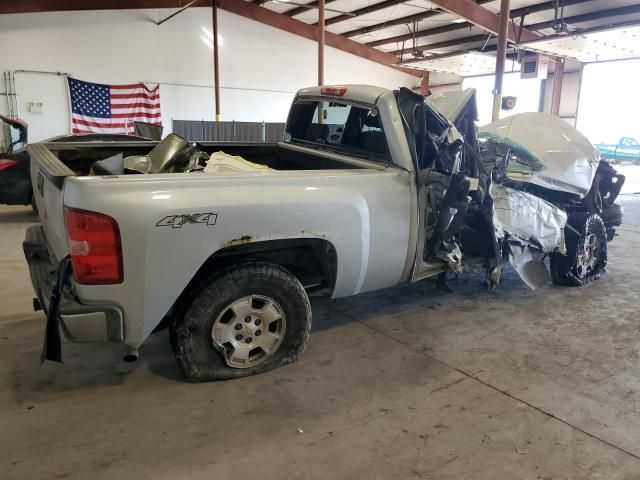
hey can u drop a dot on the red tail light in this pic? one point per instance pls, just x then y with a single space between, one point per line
336 91
94 247
6 163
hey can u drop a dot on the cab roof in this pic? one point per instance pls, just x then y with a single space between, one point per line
359 93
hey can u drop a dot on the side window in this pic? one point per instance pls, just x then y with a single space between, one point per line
629 142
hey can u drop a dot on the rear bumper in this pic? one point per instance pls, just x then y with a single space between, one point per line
78 322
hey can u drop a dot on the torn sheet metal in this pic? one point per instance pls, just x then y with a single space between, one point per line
529 218
528 263
452 103
532 227
544 150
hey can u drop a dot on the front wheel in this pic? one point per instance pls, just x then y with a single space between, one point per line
248 319
586 252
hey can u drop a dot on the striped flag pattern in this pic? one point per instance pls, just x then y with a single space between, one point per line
98 108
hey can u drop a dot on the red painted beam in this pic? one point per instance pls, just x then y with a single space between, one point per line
483 18
291 25
35 6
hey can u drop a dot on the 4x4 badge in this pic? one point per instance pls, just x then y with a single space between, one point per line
177 221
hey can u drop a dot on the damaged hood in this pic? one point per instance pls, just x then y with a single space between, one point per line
543 150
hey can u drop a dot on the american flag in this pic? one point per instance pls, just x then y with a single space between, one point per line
98 108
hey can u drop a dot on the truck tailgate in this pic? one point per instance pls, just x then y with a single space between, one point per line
48 174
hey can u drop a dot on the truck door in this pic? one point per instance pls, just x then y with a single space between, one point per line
441 188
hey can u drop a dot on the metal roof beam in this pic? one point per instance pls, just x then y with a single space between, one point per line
35 6
516 13
302 29
586 17
298 10
483 18
363 11
416 17
590 17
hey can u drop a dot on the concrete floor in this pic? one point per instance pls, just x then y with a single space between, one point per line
404 383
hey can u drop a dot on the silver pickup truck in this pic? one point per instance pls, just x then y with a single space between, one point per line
223 243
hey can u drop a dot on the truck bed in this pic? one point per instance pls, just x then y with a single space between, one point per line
79 157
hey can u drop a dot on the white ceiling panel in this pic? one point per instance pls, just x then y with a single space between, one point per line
465 65
614 44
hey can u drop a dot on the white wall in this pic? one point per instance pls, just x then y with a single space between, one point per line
609 101
261 67
527 92
571 82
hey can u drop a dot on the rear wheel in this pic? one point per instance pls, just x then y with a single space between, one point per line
248 319
586 255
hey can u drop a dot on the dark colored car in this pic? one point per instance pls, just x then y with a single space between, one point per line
15 183
15 179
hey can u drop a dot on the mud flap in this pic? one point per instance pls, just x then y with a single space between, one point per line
52 347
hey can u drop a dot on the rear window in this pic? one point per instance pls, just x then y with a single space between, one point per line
338 126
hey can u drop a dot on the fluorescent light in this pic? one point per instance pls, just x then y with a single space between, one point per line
458 20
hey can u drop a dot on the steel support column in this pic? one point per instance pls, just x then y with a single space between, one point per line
216 64
321 42
424 84
501 56
557 87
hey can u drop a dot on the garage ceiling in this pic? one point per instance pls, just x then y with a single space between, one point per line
411 28
419 34
595 46
464 64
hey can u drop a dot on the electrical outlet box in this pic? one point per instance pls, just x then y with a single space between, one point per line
35 107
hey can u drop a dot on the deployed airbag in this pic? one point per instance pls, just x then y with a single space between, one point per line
221 162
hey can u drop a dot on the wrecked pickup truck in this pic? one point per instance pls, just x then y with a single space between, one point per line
224 243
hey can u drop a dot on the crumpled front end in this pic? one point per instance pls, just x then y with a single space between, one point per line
529 228
540 149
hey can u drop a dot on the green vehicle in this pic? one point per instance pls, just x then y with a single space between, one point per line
627 149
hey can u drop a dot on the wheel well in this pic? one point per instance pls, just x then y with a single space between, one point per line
313 261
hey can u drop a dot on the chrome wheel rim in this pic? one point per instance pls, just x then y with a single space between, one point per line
249 330
588 257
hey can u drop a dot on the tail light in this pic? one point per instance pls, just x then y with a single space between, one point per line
337 91
94 247
6 163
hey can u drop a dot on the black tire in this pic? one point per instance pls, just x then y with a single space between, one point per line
565 269
191 336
